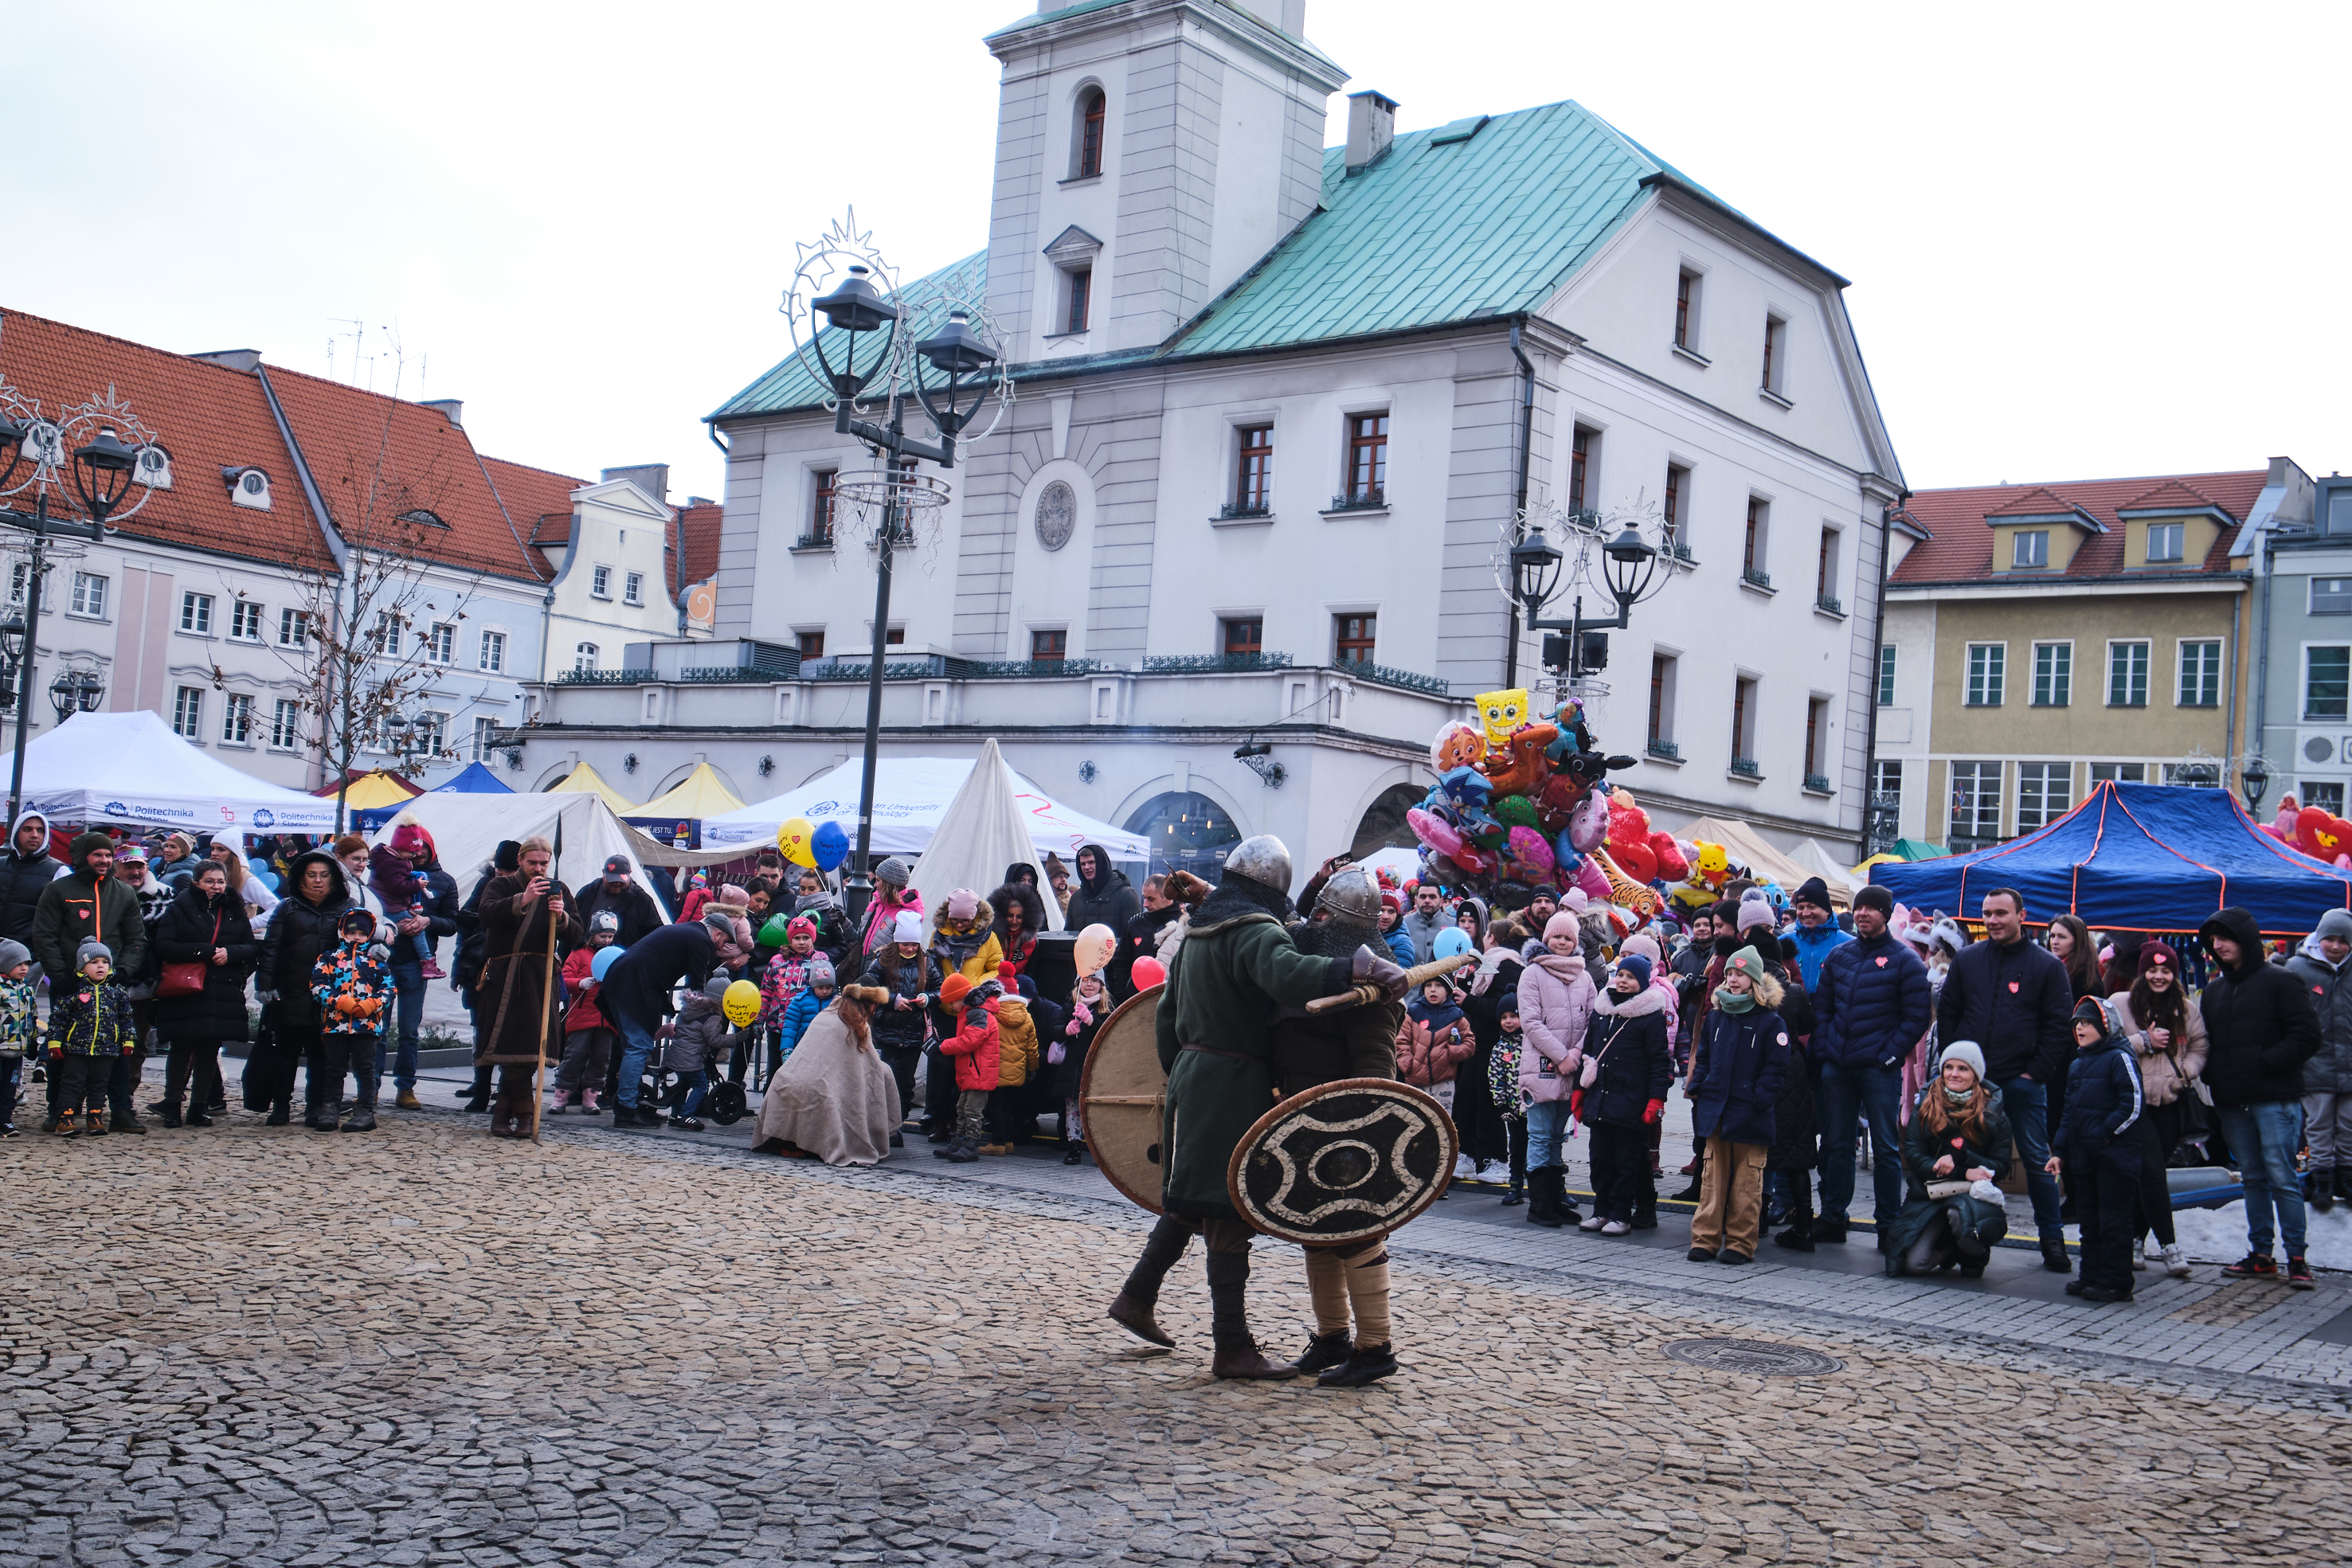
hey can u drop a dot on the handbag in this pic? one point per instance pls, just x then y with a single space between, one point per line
188 979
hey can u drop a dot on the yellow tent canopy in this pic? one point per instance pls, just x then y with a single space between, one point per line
585 780
371 791
1862 871
699 794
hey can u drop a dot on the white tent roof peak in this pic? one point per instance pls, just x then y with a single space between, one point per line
911 795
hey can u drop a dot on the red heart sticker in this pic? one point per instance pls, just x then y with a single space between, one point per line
2013 987
1882 963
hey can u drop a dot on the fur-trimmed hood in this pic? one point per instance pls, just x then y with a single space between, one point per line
1033 909
1648 999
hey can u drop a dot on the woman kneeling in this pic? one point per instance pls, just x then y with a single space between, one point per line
1958 1140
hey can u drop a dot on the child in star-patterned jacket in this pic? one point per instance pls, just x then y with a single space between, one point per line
352 983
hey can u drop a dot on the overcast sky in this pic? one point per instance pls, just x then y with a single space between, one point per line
2085 240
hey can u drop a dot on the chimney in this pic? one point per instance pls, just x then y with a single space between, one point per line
1371 126
449 408
243 362
653 478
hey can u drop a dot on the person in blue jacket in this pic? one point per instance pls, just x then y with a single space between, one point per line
1872 1007
1817 934
2096 1158
815 997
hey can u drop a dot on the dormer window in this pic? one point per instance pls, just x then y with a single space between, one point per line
2164 543
248 488
1088 163
154 469
422 518
2031 548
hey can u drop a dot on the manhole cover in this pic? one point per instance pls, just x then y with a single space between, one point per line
1761 1357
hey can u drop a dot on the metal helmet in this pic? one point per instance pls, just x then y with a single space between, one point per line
1264 859
1351 896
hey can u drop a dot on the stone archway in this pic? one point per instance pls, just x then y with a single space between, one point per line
1383 825
1187 832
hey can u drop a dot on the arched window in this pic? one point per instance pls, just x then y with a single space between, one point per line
1187 832
1384 827
1090 133
583 657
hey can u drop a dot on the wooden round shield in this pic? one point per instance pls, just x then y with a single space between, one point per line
1343 1161
1120 1096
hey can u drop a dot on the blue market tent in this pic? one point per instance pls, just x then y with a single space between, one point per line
474 779
2136 857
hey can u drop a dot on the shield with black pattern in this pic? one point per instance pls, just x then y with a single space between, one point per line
1343 1161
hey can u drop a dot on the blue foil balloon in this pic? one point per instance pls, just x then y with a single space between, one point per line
829 846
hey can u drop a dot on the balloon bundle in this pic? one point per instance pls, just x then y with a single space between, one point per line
822 845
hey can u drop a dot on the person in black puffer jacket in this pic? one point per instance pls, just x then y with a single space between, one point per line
1872 1006
25 871
1629 1065
1103 896
2098 1152
204 923
2260 1029
302 927
912 977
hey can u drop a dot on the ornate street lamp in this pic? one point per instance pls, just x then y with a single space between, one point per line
76 691
1632 570
2255 776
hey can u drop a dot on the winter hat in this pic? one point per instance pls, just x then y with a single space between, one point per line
2151 955
88 844
604 920
1636 966
1966 1050
719 923
1575 901
91 948
12 953
1389 901
1642 945
907 928
408 839
134 854
800 925
820 970
1747 961
1813 891
715 987
1873 897
2093 1010
1564 925
1755 912
356 920
735 895
963 903
699 879
2336 923
894 871
953 989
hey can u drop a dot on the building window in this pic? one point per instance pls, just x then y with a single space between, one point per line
1776 355
2053 674
1817 738
285 725
441 643
811 643
1368 458
2118 772
600 582
1048 647
1987 664
2329 595
89 595
1754 542
1244 635
20 581
1253 477
196 614
1687 286
894 638
384 638
584 656
2191 776
293 629
1886 675
431 733
2326 674
1090 133
633 588
820 528
494 652
1663 672
2044 792
2328 796
1743 725
1677 479
245 621
1082 288
1583 446
1975 806
236 721
483 730
2164 542
2126 674
188 713
1354 637
1886 783
2200 673
2029 547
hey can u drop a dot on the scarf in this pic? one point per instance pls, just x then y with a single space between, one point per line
1959 1101
1734 1003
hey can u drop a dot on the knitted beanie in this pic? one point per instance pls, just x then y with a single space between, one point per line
953 989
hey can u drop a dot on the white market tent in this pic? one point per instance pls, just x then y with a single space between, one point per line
130 768
983 831
1809 854
911 795
467 829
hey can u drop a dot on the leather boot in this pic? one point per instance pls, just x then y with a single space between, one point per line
363 1116
1237 1355
1366 1364
477 1098
1325 1350
322 1115
281 1112
1543 1197
1698 1178
2322 1182
167 1114
1132 1309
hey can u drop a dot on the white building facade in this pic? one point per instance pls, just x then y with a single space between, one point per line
1278 406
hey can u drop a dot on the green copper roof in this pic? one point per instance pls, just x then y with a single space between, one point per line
1469 221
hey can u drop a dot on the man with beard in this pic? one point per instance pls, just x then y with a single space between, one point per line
1216 1023
1350 1280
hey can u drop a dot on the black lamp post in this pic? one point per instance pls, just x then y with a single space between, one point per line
1633 569
76 691
2256 778
102 471
854 309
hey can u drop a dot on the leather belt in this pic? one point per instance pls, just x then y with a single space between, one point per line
1212 1050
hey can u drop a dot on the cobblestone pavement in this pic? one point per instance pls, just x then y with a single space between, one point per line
425 1345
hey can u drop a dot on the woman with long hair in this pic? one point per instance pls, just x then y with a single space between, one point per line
1958 1140
2167 1039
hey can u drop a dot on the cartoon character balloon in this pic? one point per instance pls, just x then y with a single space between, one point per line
741 1004
1092 950
793 838
1500 713
1458 745
2323 835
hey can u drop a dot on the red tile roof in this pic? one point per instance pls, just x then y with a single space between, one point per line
699 526
1959 549
207 418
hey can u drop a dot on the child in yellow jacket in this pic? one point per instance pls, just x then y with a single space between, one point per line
1017 1058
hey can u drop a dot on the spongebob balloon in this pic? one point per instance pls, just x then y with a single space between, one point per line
1501 713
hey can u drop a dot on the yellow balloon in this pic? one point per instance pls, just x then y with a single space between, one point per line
793 838
741 1003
